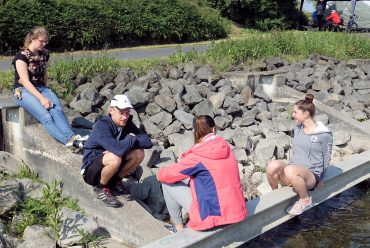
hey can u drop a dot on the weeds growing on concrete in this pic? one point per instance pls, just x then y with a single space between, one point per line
89 240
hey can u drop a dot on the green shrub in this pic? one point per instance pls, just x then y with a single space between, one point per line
75 24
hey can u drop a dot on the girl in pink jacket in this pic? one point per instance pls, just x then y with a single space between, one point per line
215 195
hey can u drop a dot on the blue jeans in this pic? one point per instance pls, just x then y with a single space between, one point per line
53 119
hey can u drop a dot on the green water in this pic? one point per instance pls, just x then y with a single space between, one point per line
343 221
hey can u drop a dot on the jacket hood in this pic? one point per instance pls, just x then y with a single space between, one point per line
214 147
321 128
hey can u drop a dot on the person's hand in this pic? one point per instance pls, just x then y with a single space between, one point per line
45 102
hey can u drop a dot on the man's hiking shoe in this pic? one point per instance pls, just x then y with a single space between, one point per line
300 206
119 189
106 197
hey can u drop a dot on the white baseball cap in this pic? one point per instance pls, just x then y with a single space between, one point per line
121 102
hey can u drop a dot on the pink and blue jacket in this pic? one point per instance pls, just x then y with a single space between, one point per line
217 196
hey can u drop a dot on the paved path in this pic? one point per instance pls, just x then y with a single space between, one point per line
140 53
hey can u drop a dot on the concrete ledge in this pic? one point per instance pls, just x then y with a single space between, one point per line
268 210
132 225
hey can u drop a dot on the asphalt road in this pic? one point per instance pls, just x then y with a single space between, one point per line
5 64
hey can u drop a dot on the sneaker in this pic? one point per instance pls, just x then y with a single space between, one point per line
299 207
119 189
171 228
106 197
77 141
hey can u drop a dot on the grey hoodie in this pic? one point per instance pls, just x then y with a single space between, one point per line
312 150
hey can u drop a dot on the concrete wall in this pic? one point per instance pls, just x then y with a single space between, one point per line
131 224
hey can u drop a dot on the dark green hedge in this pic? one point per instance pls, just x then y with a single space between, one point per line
79 24
260 14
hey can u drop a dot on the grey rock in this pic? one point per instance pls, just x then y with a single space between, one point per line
323 118
217 100
152 130
175 127
31 189
92 117
241 155
152 108
3 243
9 199
11 241
192 97
101 79
181 142
341 137
138 97
227 134
106 92
263 116
185 118
282 124
9 162
264 187
204 72
120 89
152 155
261 106
166 102
278 139
361 85
228 90
175 73
234 109
203 108
279 152
190 67
241 140
162 119
321 85
244 122
259 93
252 102
228 102
222 122
167 157
246 94
82 106
71 220
91 95
165 91
264 152
266 125
124 77
38 236
146 80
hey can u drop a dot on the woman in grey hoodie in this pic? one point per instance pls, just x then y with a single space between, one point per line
312 145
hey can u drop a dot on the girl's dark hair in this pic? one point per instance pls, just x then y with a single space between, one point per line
307 105
202 126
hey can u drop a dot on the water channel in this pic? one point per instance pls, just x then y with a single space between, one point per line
342 221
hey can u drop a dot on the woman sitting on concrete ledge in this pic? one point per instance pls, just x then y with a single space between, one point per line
215 195
312 145
32 93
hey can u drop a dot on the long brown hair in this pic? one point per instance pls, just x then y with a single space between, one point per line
307 105
33 34
202 125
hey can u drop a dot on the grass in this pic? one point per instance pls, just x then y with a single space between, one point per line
243 46
43 211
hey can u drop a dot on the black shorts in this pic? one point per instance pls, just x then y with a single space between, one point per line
318 179
92 174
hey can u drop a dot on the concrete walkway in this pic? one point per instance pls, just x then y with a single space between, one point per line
122 54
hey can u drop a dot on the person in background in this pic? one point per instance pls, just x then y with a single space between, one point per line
113 151
214 196
312 146
32 93
333 19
